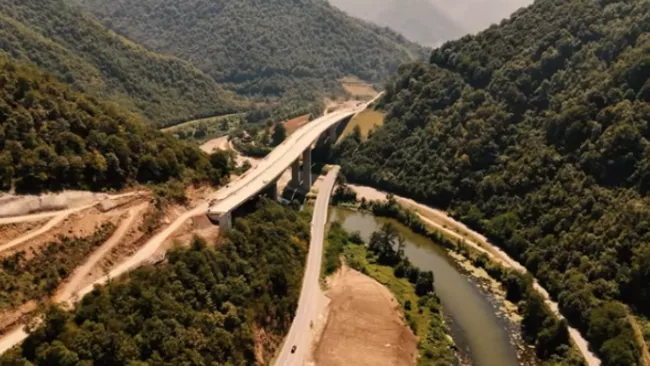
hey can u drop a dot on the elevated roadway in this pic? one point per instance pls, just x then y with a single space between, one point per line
284 156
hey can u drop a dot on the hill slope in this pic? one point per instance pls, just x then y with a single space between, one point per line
53 138
80 51
536 132
418 20
259 47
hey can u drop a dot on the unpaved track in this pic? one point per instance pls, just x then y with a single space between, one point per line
57 218
60 216
69 289
44 215
143 254
483 246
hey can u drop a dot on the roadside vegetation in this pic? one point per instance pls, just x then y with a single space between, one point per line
383 260
541 145
37 274
204 305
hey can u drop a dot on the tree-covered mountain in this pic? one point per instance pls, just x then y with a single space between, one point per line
81 51
418 20
258 47
536 132
52 138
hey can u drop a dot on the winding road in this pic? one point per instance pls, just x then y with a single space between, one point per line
300 333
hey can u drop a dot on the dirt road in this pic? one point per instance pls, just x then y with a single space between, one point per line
57 219
68 291
300 334
449 226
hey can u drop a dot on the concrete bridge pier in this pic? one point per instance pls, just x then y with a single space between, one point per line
306 169
332 134
295 174
273 191
225 221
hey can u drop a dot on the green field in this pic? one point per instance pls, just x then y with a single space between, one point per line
366 120
204 129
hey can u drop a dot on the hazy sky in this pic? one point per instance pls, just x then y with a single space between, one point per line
434 21
476 15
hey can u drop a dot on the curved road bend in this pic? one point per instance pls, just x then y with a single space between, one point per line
300 333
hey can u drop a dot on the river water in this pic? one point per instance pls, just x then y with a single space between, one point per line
478 331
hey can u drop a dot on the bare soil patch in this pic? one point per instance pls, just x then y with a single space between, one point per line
196 226
9 232
293 124
79 224
364 325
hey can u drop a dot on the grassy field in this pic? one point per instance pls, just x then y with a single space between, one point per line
366 120
206 128
358 88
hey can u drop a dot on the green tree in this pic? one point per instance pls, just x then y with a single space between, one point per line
279 134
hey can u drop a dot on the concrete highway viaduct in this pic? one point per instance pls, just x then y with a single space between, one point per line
285 156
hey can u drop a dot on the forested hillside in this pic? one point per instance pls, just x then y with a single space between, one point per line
229 305
80 51
53 138
418 20
289 48
536 132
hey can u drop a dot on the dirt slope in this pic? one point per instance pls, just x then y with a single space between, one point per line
364 325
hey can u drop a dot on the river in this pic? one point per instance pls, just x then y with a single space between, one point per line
478 331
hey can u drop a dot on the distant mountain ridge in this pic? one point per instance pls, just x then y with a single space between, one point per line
262 48
79 50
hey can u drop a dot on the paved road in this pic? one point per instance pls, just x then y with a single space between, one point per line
300 332
279 160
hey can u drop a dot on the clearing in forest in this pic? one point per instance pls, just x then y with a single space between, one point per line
364 325
358 88
366 120
293 124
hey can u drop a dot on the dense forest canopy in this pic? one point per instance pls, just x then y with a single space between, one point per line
79 50
296 48
53 138
536 133
206 306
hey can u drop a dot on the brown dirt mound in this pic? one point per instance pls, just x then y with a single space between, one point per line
364 325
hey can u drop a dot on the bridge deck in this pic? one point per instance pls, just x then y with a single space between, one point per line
274 164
